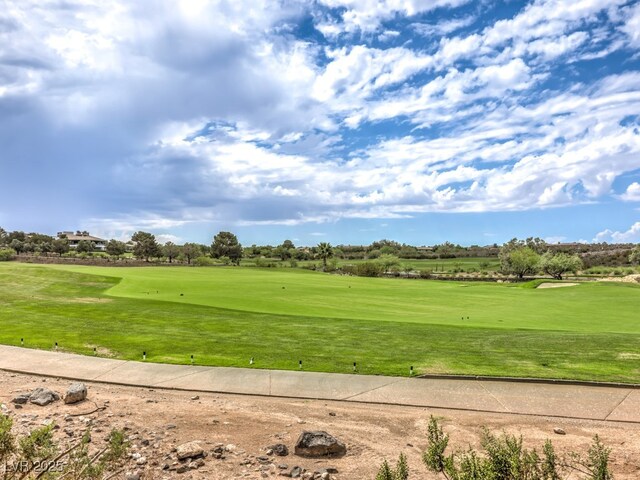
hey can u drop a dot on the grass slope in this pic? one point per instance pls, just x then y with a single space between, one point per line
539 335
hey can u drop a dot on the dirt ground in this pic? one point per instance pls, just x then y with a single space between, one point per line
243 426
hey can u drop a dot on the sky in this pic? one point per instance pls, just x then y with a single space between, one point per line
345 121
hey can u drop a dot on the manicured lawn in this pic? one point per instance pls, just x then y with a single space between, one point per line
227 315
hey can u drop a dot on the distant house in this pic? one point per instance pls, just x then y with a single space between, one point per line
77 237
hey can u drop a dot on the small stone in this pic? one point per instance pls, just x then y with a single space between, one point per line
21 399
559 431
196 397
279 449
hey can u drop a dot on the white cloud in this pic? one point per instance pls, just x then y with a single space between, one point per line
632 194
632 24
630 236
367 15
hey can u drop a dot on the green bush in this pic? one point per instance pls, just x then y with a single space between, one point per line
7 254
425 273
265 263
38 455
204 261
503 458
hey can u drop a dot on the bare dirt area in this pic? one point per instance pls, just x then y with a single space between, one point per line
236 430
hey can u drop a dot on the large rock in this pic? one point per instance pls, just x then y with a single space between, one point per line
43 396
189 450
77 392
319 444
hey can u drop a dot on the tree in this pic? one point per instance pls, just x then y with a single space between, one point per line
560 263
60 246
171 251
324 251
17 245
387 261
145 245
634 256
191 251
516 258
3 236
85 246
46 247
116 248
225 244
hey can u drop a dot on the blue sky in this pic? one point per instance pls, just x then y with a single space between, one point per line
327 120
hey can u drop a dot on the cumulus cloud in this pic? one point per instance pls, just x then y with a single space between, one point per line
632 194
173 114
630 236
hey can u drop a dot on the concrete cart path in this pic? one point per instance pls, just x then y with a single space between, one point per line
545 399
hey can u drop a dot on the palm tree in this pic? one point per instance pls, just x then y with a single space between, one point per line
325 250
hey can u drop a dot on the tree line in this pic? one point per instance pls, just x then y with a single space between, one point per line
517 257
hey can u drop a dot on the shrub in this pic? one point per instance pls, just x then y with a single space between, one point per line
38 455
368 269
503 458
425 273
7 254
265 263
293 263
203 261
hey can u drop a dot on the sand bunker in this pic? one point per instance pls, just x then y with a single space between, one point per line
556 285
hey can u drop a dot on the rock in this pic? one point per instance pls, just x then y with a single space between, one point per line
132 476
21 399
319 444
189 450
279 449
195 397
182 468
76 392
43 396
141 460
296 472
559 431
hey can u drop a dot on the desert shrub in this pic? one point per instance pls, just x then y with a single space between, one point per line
368 269
203 261
425 273
503 457
7 254
38 455
401 472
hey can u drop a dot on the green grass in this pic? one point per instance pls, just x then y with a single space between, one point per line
227 315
